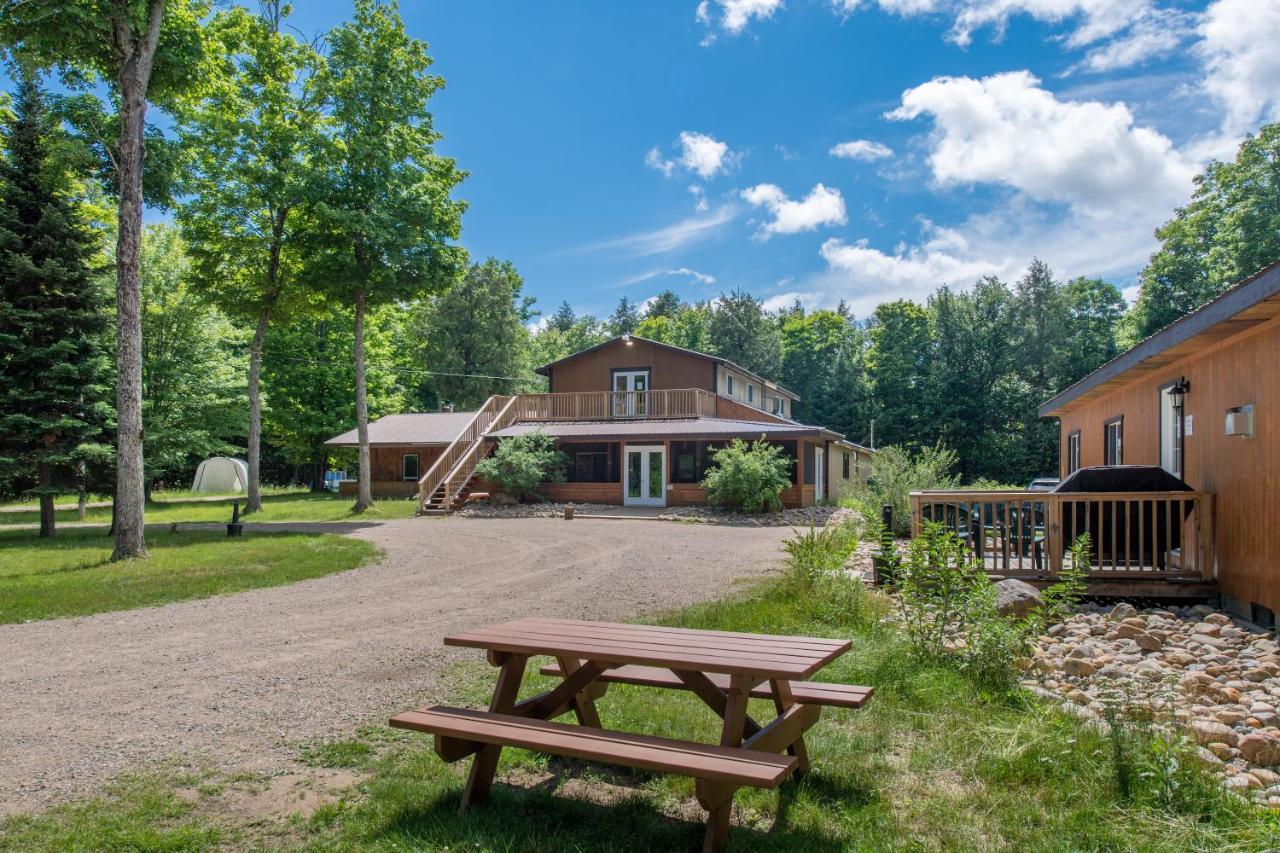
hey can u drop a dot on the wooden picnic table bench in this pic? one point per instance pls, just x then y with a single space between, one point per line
722 668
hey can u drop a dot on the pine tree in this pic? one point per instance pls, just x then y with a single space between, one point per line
52 315
625 318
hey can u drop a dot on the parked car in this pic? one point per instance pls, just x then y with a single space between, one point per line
1043 484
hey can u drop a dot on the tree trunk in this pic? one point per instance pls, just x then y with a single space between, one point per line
254 503
135 56
82 498
45 476
130 506
364 497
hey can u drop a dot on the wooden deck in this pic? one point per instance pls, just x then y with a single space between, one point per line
1138 540
609 405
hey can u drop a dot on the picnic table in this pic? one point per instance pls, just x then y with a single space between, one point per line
722 668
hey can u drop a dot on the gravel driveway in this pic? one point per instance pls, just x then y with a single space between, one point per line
241 679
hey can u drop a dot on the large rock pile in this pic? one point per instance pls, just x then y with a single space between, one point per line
1192 667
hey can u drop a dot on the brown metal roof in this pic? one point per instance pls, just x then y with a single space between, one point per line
418 429
683 428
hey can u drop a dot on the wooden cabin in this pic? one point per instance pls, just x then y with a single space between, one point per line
1199 398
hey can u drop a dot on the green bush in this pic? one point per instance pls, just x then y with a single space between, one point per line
896 473
748 477
816 559
522 464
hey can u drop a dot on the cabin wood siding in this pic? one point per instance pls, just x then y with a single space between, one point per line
1242 472
667 368
734 410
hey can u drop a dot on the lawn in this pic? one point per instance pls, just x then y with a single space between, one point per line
289 506
931 763
68 501
71 574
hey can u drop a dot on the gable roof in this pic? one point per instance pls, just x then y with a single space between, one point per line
1254 300
545 369
399 430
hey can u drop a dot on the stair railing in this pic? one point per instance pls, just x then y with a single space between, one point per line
466 441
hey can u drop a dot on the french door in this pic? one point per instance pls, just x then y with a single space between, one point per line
644 481
629 397
819 474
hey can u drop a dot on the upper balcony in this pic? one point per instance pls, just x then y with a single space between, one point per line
611 405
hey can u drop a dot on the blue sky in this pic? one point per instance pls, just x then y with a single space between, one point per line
831 149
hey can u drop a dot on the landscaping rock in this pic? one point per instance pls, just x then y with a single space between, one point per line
1261 748
1016 599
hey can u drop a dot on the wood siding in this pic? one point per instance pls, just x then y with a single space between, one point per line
1241 471
732 409
667 368
387 473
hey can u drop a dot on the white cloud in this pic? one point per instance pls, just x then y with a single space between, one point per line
822 206
700 154
1007 130
1240 49
1159 32
811 300
669 238
861 149
693 275
699 197
736 14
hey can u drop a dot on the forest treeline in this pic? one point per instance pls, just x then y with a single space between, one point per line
273 300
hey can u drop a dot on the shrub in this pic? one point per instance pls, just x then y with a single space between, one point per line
748 477
816 559
521 464
896 473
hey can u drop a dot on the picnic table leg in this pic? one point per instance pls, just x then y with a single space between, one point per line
782 700
720 808
584 707
485 764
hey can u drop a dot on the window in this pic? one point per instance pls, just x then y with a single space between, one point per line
751 393
592 463
846 464
810 463
1113 442
728 384
1073 452
409 466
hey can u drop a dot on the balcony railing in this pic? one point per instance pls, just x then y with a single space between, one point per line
1131 534
608 405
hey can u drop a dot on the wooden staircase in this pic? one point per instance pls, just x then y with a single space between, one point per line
446 482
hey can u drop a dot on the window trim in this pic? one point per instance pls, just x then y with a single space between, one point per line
1179 447
1117 422
1073 444
728 384
417 467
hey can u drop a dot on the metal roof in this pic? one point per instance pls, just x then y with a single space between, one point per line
683 428
749 373
416 429
1252 301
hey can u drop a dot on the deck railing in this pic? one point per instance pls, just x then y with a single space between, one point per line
609 405
1132 534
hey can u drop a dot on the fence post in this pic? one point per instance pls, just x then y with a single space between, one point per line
1053 533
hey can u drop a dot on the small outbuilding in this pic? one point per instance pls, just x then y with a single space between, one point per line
221 474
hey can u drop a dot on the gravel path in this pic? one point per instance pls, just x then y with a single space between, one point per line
241 679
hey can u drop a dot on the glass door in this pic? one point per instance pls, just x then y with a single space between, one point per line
644 476
819 474
629 397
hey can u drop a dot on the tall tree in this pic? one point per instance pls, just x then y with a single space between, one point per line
625 318
741 331
564 318
665 304
310 387
1229 230
385 218
474 340
52 316
246 142
142 49
1095 309
898 364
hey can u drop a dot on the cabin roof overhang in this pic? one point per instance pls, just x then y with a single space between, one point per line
431 429
545 369
1255 300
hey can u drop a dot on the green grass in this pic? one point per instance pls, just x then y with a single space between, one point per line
168 495
291 506
71 574
932 763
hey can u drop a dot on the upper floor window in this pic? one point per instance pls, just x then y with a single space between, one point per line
1113 442
778 407
1073 452
728 384
751 393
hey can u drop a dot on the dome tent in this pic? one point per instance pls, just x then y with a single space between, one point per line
221 474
